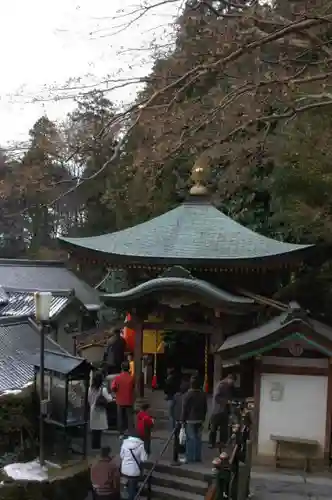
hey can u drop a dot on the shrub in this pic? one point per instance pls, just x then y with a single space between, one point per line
18 421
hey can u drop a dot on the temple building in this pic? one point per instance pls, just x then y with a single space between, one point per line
193 270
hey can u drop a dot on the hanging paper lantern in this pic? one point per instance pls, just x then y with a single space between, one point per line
154 383
129 336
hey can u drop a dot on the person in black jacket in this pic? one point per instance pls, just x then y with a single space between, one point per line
194 411
170 389
222 395
114 354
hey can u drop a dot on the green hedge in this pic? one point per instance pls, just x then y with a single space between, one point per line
71 483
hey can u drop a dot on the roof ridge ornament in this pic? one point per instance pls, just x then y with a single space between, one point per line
199 175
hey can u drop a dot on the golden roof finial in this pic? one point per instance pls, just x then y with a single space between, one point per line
199 175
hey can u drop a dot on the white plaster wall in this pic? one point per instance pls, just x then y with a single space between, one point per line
300 413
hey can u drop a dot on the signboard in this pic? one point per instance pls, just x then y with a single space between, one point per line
153 340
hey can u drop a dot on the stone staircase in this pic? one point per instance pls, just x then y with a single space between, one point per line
176 483
161 419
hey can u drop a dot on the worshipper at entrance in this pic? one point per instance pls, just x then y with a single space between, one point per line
115 353
178 404
123 388
194 411
222 396
170 389
98 398
105 477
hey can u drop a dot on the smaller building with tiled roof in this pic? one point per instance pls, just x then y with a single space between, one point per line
42 275
20 303
75 304
290 359
19 342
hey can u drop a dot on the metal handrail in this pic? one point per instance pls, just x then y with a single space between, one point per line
151 471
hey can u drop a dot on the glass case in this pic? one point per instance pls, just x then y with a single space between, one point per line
77 393
65 394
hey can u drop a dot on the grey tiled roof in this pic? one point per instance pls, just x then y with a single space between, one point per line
195 231
254 334
19 341
265 332
59 362
24 275
23 304
323 329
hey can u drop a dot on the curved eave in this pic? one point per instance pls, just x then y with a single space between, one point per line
288 258
263 338
199 289
242 345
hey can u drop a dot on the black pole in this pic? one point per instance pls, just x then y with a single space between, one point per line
86 416
42 396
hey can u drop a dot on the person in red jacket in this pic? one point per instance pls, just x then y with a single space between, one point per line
144 424
123 388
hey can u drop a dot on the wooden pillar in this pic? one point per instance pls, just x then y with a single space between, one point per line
217 339
138 356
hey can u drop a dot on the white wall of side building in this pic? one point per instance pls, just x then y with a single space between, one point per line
298 409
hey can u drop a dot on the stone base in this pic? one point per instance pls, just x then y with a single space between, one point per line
70 482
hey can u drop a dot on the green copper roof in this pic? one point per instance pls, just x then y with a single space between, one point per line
194 233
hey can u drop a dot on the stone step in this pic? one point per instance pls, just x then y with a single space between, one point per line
161 424
184 482
178 483
165 493
184 471
159 413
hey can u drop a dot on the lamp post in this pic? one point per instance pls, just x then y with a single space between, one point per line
42 313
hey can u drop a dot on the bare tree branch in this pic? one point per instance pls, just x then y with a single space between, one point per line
284 31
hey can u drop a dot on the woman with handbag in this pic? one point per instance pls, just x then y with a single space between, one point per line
98 398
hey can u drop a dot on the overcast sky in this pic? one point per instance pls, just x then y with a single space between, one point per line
44 44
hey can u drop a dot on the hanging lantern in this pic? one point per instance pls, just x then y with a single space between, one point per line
154 383
129 336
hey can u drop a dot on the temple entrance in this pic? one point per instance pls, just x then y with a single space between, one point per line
186 353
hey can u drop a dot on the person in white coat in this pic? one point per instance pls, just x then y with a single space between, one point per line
132 455
98 398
